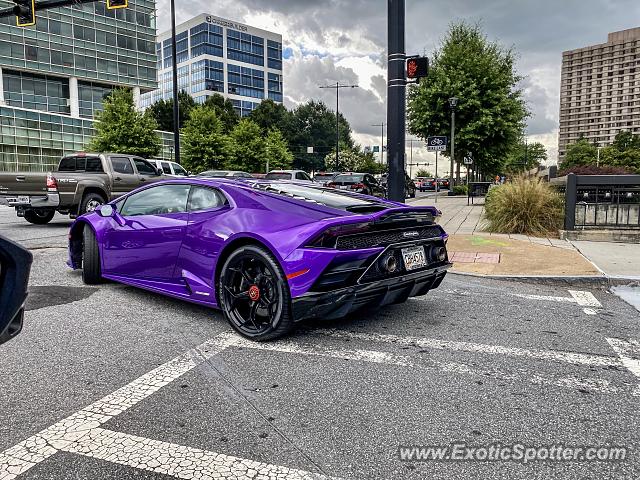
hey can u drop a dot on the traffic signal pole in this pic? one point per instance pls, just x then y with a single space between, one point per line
396 99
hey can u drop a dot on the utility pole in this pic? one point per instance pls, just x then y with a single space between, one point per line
453 101
337 86
381 125
176 107
396 100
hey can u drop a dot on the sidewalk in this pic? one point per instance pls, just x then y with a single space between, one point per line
479 252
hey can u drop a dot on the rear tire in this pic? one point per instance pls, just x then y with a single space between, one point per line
90 202
39 216
91 270
253 293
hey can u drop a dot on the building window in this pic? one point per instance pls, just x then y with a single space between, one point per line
36 92
244 47
275 87
274 55
244 108
207 75
91 97
206 39
245 81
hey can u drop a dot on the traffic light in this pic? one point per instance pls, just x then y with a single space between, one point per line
113 4
25 12
417 67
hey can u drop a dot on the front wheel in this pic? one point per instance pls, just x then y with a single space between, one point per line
39 216
254 294
91 269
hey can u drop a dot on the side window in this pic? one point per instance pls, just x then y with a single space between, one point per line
67 164
94 165
158 200
204 198
122 165
166 168
302 176
306 177
179 170
144 167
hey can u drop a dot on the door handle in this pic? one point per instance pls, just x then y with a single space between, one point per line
117 179
143 179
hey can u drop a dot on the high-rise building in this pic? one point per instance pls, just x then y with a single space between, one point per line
215 55
54 75
600 90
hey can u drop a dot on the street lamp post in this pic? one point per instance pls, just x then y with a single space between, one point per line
176 112
381 125
453 101
338 86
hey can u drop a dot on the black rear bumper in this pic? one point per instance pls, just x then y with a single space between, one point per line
340 302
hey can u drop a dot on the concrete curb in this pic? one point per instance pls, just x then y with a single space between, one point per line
587 280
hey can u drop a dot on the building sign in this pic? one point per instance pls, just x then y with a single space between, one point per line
226 23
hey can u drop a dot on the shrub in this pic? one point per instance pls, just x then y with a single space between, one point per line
525 206
460 190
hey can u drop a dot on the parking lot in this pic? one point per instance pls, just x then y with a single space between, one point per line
114 382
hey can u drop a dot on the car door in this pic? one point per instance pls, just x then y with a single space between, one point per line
203 241
125 178
146 171
373 186
303 177
146 233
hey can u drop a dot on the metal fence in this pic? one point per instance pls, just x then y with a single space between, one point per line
601 201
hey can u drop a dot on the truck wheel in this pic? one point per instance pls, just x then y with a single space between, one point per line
39 216
89 203
91 270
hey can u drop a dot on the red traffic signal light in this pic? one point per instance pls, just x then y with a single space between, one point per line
417 67
25 11
113 4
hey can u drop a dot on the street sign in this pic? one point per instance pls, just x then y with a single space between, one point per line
309 149
467 160
436 144
376 148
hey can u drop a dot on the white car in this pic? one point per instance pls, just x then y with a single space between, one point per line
299 175
169 169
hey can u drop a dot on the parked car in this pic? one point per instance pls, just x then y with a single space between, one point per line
225 174
427 183
82 182
170 169
409 185
443 183
324 177
364 183
299 175
15 265
268 253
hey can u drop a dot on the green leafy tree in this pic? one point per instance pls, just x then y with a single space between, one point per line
423 173
225 111
277 151
248 147
491 111
120 128
525 156
314 125
580 153
162 111
269 115
354 160
204 146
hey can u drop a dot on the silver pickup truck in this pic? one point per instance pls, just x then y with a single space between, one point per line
81 183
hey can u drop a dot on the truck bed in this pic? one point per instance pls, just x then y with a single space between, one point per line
21 183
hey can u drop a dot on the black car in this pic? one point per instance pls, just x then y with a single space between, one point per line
409 185
15 265
364 183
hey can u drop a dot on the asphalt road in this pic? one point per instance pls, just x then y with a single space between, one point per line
111 382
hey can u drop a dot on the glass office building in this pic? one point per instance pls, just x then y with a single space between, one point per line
216 55
54 75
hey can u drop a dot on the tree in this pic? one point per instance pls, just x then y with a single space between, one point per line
162 111
269 114
225 110
248 147
423 173
525 156
580 153
277 152
314 125
120 128
491 111
354 160
204 146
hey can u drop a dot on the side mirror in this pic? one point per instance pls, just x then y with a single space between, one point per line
106 210
159 171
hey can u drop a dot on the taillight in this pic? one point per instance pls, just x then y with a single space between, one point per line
51 183
331 185
357 186
327 239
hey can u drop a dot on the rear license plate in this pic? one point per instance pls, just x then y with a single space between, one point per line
24 200
413 257
343 187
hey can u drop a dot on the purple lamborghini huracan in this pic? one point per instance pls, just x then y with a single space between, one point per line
267 252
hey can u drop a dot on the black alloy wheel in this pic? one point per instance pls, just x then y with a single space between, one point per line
254 294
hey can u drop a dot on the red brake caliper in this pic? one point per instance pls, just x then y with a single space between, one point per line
254 293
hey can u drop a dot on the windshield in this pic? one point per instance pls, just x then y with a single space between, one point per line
214 173
349 178
278 176
322 176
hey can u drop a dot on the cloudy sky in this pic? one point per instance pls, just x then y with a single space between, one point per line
345 40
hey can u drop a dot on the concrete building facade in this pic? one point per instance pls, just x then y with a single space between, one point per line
216 55
54 75
600 90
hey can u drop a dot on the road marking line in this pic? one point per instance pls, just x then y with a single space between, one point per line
559 356
627 350
589 311
514 374
585 299
37 448
177 460
544 298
